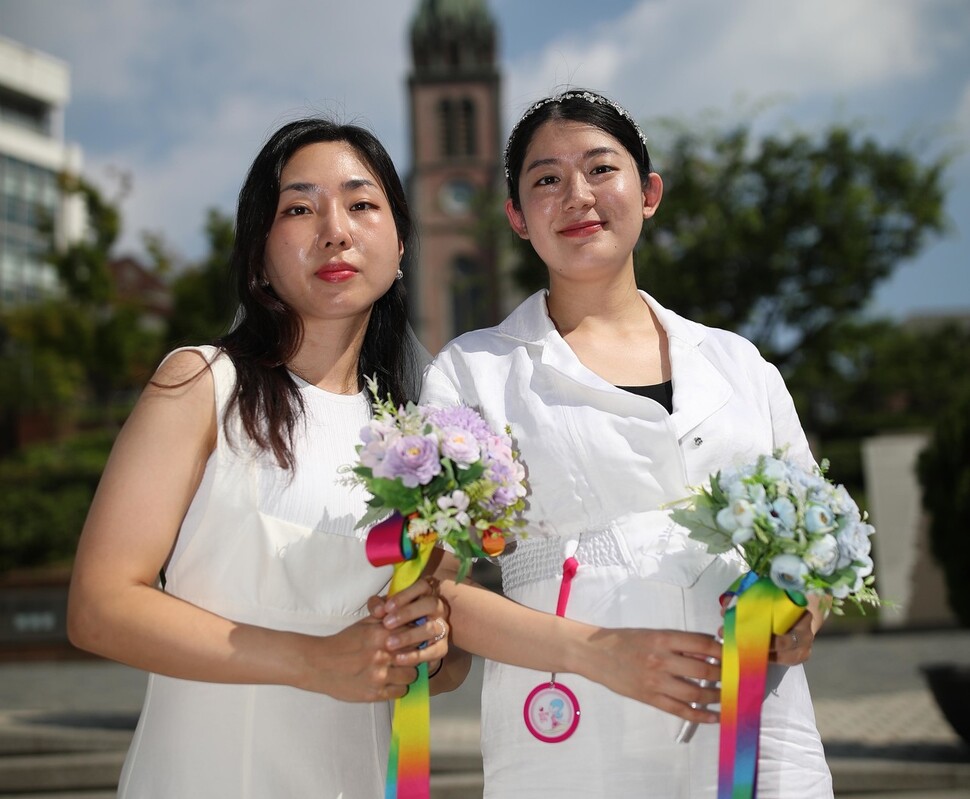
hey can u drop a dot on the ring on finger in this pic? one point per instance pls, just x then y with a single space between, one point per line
794 638
442 630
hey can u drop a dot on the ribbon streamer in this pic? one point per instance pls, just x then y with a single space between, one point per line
409 760
756 608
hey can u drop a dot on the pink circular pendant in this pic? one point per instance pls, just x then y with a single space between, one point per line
551 712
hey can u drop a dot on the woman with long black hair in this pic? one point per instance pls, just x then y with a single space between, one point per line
269 675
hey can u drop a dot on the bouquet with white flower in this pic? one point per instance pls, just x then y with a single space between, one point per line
800 535
791 525
446 472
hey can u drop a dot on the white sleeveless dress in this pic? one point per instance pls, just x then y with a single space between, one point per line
260 548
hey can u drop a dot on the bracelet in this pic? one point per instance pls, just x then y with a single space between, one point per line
436 668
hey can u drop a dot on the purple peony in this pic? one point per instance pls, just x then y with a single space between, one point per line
463 417
411 459
460 445
503 470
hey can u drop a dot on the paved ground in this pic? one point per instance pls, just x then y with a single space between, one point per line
884 736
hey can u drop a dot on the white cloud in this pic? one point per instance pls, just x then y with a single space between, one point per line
186 92
680 57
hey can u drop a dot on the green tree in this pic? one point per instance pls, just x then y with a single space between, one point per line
84 347
66 358
785 237
873 376
83 266
204 303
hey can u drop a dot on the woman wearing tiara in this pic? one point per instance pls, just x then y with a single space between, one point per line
604 643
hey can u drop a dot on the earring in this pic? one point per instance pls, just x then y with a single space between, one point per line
400 274
263 283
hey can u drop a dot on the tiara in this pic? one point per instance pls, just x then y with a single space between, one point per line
589 97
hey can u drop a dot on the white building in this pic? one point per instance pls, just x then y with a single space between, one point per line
34 89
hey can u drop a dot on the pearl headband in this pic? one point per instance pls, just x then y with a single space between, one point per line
589 97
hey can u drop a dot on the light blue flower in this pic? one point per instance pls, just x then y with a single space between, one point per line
841 590
775 470
783 509
744 512
822 554
757 494
819 519
854 543
863 566
788 572
726 520
843 504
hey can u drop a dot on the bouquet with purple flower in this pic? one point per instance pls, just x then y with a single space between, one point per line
434 474
446 472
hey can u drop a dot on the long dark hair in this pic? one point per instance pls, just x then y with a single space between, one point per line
574 105
267 332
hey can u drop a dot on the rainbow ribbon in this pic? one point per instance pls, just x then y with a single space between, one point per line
756 608
409 760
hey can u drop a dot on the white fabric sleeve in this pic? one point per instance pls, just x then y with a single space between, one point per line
438 389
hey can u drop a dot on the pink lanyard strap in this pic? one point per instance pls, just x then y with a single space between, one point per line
551 710
569 567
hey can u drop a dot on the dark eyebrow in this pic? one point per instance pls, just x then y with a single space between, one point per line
588 154
313 188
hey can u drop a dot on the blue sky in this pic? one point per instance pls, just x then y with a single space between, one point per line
181 94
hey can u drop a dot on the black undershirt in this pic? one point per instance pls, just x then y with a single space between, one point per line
660 392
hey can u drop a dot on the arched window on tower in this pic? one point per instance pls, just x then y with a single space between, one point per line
469 128
458 126
447 128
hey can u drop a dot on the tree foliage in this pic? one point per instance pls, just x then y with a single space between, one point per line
204 302
83 266
785 237
85 345
944 472
868 377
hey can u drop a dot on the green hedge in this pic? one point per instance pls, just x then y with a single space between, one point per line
944 473
46 491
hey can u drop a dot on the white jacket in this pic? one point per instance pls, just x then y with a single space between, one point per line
597 455
603 465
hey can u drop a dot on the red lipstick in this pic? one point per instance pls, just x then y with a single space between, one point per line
336 272
581 230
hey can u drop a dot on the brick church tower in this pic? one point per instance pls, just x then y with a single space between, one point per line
453 92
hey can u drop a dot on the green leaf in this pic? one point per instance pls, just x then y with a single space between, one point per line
394 495
469 475
703 528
